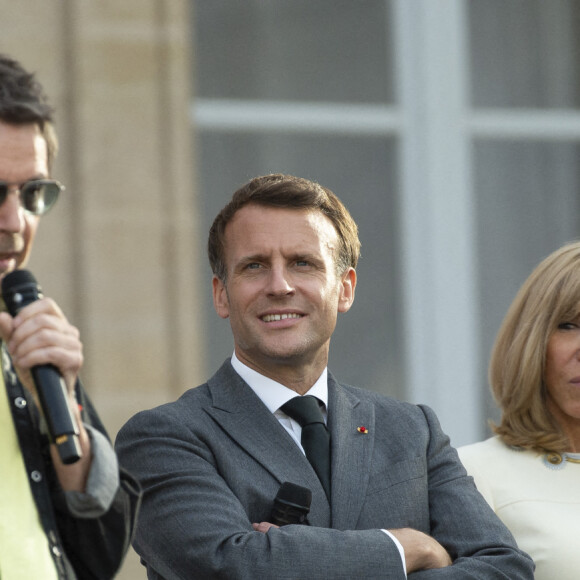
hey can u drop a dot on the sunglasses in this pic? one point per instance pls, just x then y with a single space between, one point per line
37 196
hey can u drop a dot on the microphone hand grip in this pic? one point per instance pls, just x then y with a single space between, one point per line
291 505
19 289
62 426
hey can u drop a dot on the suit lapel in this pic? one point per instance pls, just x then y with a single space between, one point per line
243 416
351 453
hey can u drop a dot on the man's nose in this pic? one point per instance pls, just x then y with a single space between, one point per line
11 212
280 282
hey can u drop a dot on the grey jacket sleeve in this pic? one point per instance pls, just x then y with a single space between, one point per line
479 544
103 481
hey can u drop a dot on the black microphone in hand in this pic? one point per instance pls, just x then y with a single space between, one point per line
19 289
291 505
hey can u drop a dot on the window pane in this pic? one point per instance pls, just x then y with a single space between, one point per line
328 50
527 206
366 348
525 53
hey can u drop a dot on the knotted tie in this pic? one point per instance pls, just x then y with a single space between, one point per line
315 437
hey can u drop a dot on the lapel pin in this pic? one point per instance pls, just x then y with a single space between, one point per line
363 430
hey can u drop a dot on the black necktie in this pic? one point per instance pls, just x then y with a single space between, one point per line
315 437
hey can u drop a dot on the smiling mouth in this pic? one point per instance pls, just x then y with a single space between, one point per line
6 256
274 317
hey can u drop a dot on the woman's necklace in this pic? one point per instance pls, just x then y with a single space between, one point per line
556 460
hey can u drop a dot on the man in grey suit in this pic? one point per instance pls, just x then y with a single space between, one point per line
398 500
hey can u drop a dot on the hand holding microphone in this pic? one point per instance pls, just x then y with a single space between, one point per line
45 333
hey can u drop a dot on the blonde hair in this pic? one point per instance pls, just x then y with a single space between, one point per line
549 297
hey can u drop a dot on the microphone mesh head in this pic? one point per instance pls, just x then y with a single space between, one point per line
19 289
17 278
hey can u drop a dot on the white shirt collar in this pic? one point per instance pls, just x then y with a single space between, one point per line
274 394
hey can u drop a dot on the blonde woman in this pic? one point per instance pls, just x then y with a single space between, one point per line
530 471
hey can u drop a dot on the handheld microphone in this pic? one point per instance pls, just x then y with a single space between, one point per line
291 505
19 289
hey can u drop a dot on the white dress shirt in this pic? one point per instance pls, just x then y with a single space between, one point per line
274 395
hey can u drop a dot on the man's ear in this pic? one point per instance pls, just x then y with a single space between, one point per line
220 298
347 286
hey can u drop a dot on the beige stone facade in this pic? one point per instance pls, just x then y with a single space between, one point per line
117 251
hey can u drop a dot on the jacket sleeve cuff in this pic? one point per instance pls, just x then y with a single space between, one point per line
102 483
400 548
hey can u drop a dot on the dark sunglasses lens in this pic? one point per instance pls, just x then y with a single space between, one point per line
38 196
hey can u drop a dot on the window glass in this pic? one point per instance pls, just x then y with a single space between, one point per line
525 53
327 50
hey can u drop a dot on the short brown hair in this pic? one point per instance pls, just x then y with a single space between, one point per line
286 191
549 297
22 101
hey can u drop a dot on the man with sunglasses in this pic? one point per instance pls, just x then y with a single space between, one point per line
56 520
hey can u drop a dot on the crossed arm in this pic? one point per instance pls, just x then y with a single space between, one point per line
422 552
199 504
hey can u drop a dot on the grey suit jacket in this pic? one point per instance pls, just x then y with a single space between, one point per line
212 462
